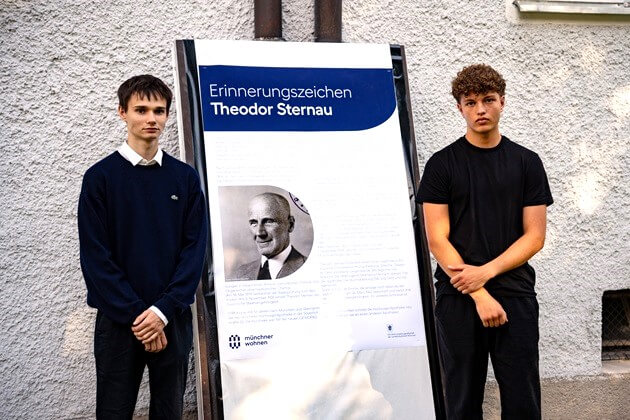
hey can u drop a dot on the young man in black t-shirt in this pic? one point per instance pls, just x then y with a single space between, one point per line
485 202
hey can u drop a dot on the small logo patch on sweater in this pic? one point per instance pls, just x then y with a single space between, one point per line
174 197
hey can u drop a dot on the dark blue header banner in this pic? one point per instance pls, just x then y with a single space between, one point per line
236 98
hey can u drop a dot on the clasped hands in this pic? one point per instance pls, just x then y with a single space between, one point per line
470 279
149 329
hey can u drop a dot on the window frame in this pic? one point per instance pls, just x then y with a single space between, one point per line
608 7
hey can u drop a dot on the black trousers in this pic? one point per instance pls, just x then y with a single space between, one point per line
120 362
513 348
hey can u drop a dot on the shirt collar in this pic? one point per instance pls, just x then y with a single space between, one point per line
135 159
276 263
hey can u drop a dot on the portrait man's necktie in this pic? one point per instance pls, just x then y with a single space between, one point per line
264 274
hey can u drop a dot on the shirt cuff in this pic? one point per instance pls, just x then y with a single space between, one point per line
159 314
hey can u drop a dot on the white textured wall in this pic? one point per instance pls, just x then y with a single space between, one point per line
61 62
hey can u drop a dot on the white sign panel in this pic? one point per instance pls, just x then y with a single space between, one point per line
313 247
320 130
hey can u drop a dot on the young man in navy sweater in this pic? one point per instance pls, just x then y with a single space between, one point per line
485 202
142 232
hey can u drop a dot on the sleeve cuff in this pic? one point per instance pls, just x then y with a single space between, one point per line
159 314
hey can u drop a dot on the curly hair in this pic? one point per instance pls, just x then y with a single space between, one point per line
477 79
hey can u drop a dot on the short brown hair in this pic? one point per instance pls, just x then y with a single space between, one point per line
145 86
477 79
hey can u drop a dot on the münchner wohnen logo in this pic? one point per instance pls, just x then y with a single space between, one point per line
251 340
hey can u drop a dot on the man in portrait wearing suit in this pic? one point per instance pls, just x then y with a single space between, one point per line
271 223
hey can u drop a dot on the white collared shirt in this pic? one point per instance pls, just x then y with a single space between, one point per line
132 156
135 159
276 263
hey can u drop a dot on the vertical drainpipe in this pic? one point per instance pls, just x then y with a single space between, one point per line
327 20
268 20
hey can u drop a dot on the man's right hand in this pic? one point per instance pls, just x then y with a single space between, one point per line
490 311
156 345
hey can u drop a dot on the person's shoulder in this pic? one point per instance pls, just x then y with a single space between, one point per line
519 149
178 166
450 147
247 271
173 162
182 172
295 256
441 158
248 266
448 150
104 166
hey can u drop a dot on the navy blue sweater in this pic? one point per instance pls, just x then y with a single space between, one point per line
142 234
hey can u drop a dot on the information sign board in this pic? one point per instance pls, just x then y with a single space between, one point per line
314 272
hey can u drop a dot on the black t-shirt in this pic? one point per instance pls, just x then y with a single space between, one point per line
486 190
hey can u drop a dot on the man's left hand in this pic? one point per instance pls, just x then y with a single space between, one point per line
156 345
147 326
469 277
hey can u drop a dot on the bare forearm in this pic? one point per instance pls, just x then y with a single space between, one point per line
437 224
516 255
525 247
490 312
445 254
469 278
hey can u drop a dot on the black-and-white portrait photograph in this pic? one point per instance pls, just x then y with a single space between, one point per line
267 232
